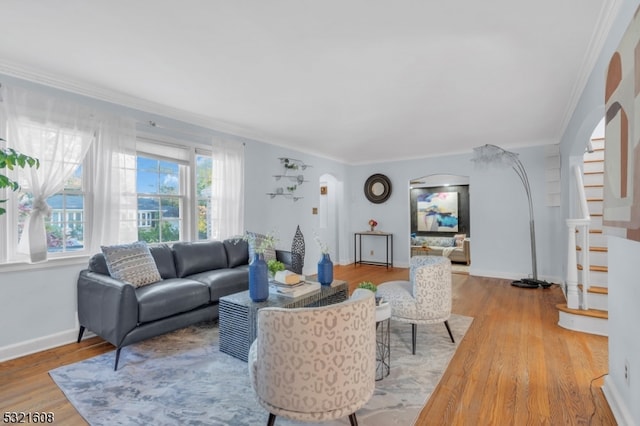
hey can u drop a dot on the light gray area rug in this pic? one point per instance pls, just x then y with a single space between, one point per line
182 378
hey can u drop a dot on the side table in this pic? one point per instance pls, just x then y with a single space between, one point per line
357 248
383 340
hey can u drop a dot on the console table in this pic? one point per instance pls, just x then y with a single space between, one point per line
238 314
357 248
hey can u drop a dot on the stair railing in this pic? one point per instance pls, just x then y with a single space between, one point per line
578 226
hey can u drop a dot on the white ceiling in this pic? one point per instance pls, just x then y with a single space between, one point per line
357 81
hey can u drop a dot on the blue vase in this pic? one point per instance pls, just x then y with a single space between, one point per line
258 278
325 270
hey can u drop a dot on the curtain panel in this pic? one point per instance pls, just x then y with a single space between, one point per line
227 184
58 133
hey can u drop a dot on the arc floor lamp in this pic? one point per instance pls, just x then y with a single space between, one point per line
493 155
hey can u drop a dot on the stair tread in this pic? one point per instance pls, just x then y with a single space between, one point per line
594 248
594 313
594 268
595 289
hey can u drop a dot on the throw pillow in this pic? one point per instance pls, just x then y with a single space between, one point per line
255 240
132 263
459 239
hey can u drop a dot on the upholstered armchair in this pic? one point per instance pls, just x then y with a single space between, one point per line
315 364
425 298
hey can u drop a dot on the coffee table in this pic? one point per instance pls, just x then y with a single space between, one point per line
238 314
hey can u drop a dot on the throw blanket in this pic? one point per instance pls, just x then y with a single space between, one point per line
446 251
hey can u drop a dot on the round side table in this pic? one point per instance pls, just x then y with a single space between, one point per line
383 340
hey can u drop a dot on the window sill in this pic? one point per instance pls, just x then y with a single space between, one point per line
50 263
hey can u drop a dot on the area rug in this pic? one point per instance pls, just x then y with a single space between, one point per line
183 378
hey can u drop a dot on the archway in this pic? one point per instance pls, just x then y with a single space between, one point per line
440 208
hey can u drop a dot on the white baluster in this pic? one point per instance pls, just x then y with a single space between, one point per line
573 298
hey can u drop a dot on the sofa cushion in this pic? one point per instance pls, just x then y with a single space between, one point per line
237 252
132 263
191 258
223 282
163 257
169 297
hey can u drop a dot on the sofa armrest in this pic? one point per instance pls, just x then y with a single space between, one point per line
106 306
466 248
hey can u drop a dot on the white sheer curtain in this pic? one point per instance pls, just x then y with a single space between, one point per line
227 184
58 133
113 199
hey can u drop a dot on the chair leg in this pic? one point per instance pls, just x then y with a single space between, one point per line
115 367
446 323
80 333
272 419
353 420
414 331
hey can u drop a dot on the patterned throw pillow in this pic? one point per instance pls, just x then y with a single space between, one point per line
255 240
132 263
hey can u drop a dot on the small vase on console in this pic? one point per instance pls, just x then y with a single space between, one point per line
325 270
258 278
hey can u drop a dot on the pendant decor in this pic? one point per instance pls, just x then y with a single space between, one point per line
325 270
258 278
297 252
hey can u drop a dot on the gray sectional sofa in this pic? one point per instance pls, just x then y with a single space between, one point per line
194 277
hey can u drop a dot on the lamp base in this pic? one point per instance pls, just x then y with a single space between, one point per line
530 283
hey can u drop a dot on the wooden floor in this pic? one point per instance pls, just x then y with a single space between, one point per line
515 366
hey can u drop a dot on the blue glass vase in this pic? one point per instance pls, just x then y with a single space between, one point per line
258 278
325 270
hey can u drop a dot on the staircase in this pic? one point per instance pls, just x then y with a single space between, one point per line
589 312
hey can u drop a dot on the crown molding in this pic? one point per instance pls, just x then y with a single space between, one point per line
607 16
121 99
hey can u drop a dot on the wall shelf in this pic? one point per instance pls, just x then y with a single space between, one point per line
286 195
293 164
291 174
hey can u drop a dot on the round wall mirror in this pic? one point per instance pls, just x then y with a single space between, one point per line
377 188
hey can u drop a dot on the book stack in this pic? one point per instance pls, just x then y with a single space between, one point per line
293 290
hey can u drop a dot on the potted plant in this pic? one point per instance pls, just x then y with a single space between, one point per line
9 159
274 266
368 285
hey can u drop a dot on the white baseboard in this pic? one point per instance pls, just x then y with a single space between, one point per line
37 345
508 275
616 403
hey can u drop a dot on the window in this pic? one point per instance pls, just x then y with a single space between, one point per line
172 196
203 195
173 191
160 190
66 222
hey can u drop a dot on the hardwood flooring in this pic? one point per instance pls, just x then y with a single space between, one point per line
515 366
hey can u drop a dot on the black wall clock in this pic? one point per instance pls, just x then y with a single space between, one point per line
377 188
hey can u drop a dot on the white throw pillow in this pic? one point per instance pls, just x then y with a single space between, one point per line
132 263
